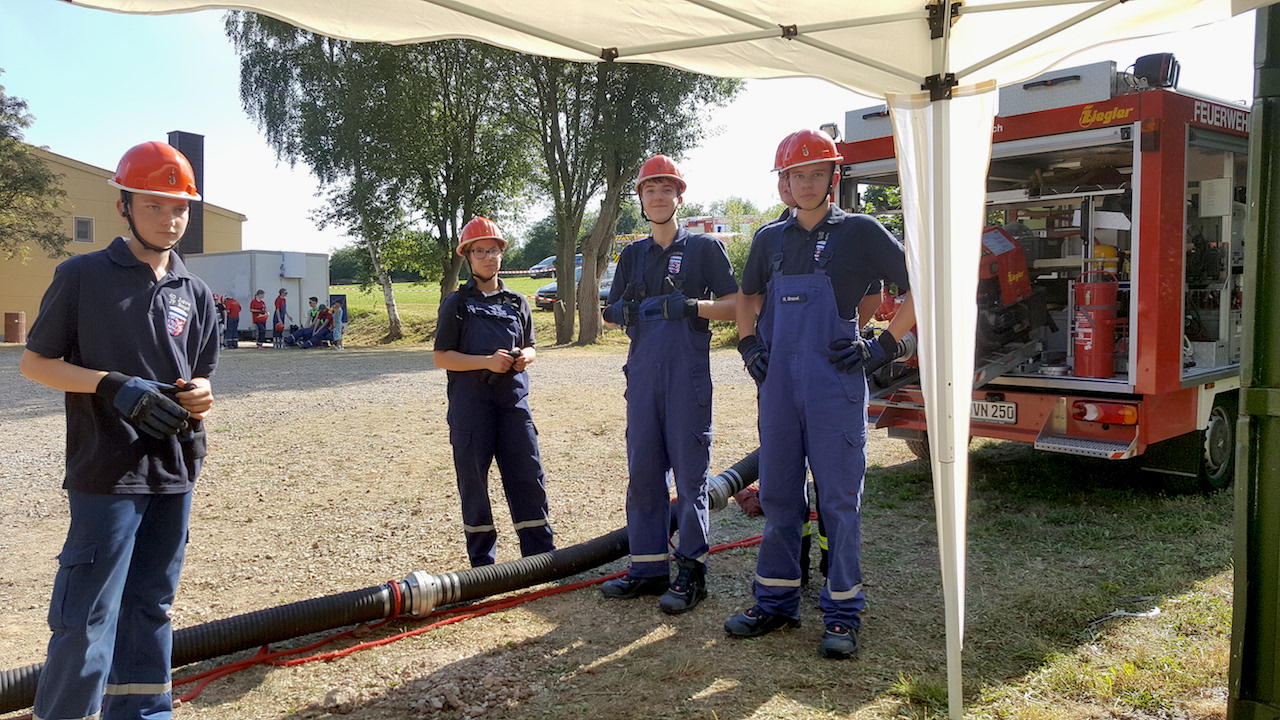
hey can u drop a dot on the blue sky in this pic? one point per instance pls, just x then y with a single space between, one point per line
98 82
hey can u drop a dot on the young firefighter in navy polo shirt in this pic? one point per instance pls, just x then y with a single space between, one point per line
660 294
484 338
804 279
131 337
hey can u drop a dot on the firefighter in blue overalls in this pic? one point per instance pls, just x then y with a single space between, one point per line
661 295
484 339
803 281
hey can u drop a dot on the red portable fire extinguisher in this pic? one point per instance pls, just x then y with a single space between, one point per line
1095 338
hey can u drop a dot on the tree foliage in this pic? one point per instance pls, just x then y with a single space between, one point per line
642 110
31 194
409 142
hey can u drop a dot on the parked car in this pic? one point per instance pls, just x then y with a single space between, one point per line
547 267
545 298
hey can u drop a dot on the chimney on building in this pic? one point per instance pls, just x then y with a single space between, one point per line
192 145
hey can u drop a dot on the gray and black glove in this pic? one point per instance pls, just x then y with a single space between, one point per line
625 312
755 357
850 354
146 404
678 307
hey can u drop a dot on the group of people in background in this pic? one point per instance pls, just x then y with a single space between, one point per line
136 365
811 280
325 324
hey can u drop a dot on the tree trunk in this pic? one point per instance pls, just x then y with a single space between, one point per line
595 254
394 329
449 280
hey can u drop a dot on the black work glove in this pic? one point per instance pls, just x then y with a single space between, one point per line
625 312
678 307
755 357
848 354
493 377
147 405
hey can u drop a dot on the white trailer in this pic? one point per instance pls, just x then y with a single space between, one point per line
242 273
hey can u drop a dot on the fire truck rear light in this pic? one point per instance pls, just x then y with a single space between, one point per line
1105 413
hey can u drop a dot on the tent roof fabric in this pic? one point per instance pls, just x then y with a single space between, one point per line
870 48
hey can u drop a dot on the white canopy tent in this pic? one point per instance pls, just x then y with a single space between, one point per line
960 51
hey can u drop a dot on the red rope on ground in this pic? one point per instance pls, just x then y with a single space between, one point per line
266 657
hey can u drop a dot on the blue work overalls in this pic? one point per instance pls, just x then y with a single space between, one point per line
668 429
809 409
489 418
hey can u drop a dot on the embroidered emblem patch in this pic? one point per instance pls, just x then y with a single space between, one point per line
817 249
673 263
177 320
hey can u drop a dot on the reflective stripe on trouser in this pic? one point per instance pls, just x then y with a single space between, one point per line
668 428
489 421
809 410
109 614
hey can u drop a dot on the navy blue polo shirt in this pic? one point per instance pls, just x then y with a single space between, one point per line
106 311
863 253
449 320
700 259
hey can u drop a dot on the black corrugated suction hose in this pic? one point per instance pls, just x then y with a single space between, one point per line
421 593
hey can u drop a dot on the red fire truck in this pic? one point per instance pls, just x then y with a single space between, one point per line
1110 280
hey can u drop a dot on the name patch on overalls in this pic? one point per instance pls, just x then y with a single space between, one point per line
798 298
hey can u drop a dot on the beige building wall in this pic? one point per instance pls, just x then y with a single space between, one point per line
92 202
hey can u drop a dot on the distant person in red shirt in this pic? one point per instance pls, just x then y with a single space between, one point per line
280 319
258 309
233 321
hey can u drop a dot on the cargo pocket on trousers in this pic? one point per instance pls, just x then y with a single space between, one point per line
72 562
459 438
701 381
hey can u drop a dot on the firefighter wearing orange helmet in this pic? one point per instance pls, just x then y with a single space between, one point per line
799 337
484 339
132 337
661 294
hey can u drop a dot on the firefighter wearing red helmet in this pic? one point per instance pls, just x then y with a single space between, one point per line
799 336
661 294
132 337
484 339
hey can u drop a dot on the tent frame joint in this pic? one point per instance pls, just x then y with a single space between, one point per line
609 54
935 9
790 32
939 86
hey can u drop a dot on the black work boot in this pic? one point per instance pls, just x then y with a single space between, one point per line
688 590
756 622
840 641
628 586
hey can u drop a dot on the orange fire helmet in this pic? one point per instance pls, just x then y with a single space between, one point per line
781 155
481 228
156 168
809 147
660 166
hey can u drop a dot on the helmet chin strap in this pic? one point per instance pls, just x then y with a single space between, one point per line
133 229
483 279
651 221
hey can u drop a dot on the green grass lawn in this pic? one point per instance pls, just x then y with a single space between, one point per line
419 304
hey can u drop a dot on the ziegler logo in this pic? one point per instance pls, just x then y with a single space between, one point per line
1015 276
1090 117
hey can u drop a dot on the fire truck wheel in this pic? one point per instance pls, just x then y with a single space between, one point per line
919 447
1217 462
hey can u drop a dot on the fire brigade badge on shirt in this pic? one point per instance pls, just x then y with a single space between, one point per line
673 264
179 313
817 250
